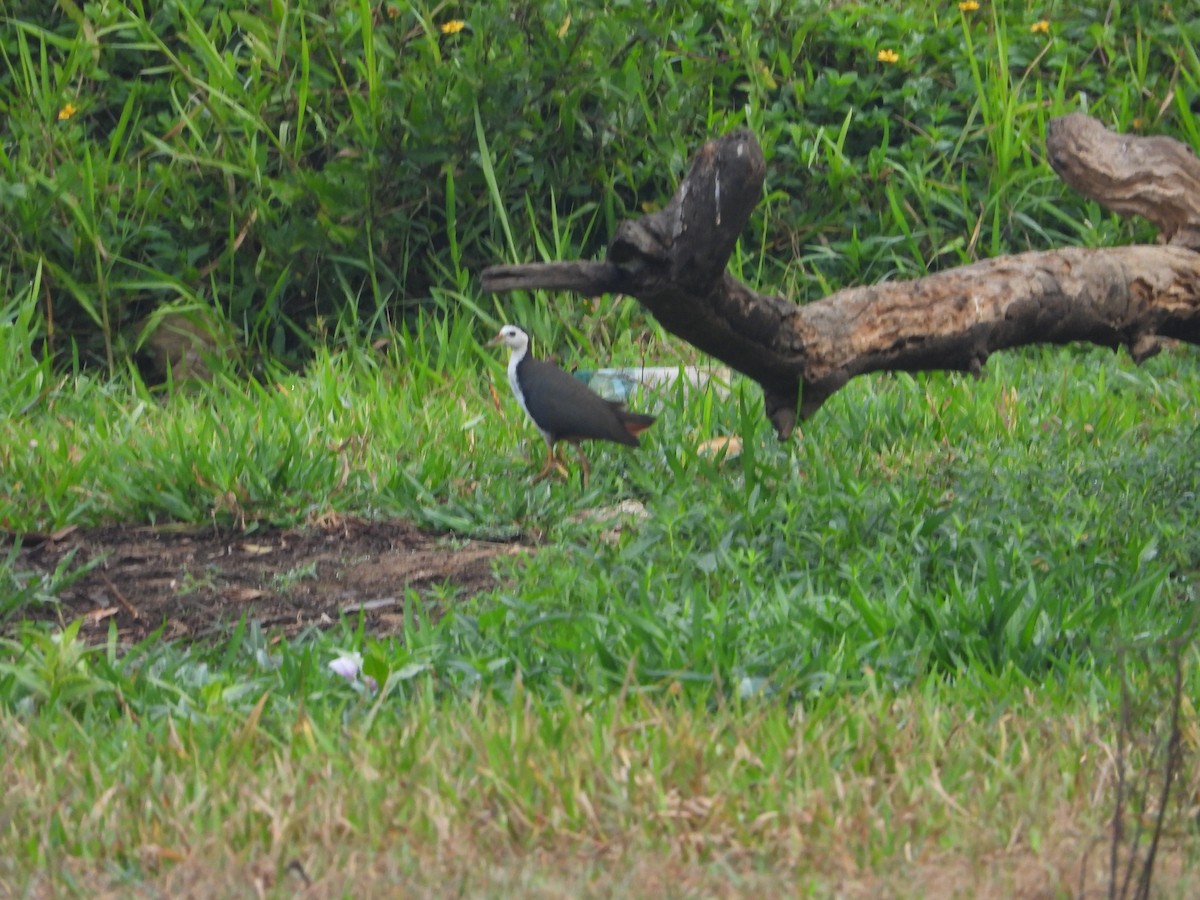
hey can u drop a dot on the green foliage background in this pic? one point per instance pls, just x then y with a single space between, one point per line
290 164
926 629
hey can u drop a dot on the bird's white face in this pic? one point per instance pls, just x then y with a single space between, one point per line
512 337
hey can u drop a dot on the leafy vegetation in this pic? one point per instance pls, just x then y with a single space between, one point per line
318 161
915 637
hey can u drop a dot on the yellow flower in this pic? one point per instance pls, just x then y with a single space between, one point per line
454 26
393 11
1042 27
968 6
67 111
888 56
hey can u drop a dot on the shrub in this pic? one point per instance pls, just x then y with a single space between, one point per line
292 165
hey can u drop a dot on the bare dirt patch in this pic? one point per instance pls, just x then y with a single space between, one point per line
193 582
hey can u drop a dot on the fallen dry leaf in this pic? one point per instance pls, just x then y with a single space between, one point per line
725 446
242 594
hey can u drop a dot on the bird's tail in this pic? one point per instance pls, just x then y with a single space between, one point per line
635 423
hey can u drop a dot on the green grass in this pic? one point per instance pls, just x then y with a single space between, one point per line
920 526
982 558
911 651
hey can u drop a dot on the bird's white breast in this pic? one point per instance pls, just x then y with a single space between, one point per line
514 360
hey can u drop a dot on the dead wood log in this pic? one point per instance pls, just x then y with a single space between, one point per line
673 262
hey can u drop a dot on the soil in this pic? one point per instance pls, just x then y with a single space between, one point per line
197 582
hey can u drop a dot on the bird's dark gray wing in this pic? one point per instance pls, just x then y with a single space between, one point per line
567 408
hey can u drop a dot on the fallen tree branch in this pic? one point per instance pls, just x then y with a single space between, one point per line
1157 178
674 261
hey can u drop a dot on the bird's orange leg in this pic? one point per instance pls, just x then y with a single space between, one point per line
552 463
583 477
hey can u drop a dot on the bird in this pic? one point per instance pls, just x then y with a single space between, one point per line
562 407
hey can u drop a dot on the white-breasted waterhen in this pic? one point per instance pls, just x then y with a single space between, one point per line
562 407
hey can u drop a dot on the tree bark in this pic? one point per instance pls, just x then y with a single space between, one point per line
674 262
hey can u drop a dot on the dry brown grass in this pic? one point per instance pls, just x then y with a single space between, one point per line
880 798
464 868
